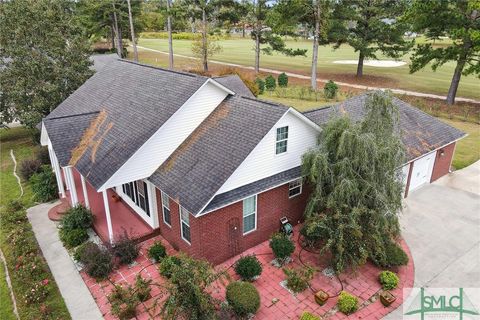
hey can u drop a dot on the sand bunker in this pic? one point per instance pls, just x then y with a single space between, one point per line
374 63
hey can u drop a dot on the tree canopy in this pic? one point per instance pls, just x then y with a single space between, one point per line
460 21
370 26
357 186
44 57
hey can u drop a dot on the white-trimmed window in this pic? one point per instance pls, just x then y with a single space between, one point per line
281 140
166 209
250 214
295 188
185 224
137 192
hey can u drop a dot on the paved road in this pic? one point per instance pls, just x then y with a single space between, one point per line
301 76
78 299
441 224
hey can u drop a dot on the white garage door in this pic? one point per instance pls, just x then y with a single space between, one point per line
422 171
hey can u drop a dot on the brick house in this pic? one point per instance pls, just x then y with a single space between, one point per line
201 160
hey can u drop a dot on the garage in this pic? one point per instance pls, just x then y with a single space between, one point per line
422 171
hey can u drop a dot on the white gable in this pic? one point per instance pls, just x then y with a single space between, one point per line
262 162
161 145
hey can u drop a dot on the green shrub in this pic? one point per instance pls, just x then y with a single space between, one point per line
248 267
243 297
157 251
282 246
142 288
41 154
394 256
261 85
73 237
28 168
330 89
347 303
308 316
299 279
388 279
282 80
77 217
126 249
165 268
123 302
44 184
97 261
270 83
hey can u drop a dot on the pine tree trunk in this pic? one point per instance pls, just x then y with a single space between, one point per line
132 31
204 41
361 57
452 91
316 35
118 32
243 30
257 51
112 34
170 42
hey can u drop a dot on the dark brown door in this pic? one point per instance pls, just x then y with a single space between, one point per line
234 237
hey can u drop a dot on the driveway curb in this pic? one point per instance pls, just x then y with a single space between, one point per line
78 299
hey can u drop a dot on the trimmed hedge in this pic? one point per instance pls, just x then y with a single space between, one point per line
157 251
282 246
308 316
248 267
347 303
44 184
98 262
243 297
73 238
77 217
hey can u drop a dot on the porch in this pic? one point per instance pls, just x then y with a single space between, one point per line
123 218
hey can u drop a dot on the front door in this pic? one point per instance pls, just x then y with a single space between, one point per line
233 226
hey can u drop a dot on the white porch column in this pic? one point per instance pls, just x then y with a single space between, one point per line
67 180
73 190
85 194
107 214
152 202
57 170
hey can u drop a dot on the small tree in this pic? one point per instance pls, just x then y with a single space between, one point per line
187 289
261 85
330 89
270 83
357 188
282 80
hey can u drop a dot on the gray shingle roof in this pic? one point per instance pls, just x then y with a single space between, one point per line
250 189
421 133
207 158
133 101
65 133
234 83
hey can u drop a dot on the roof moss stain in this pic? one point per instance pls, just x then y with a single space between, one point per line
221 112
92 138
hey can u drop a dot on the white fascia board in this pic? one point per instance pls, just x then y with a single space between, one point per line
221 86
111 181
305 119
44 135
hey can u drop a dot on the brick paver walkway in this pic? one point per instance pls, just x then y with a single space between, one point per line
362 283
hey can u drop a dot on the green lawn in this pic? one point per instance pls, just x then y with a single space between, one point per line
19 140
468 149
240 51
6 306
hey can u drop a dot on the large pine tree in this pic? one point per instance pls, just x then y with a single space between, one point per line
44 57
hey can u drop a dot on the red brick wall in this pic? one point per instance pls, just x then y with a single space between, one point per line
211 236
442 163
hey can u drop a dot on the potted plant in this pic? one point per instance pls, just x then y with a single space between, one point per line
387 298
116 197
321 297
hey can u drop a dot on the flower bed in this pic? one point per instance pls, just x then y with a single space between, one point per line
35 290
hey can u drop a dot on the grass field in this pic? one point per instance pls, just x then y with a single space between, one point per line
468 149
240 51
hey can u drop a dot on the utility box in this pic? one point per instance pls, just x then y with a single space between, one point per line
321 297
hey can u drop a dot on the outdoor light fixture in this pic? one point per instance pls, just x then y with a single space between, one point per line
442 152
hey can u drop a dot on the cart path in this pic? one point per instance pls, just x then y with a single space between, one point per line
15 173
304 77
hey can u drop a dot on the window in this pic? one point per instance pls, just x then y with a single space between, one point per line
185 223
138 192
282 138
295 188
166 209
249 214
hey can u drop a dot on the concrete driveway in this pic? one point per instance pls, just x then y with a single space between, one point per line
441 225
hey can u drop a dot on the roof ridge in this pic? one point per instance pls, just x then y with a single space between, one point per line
271 103
72 115
189 74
